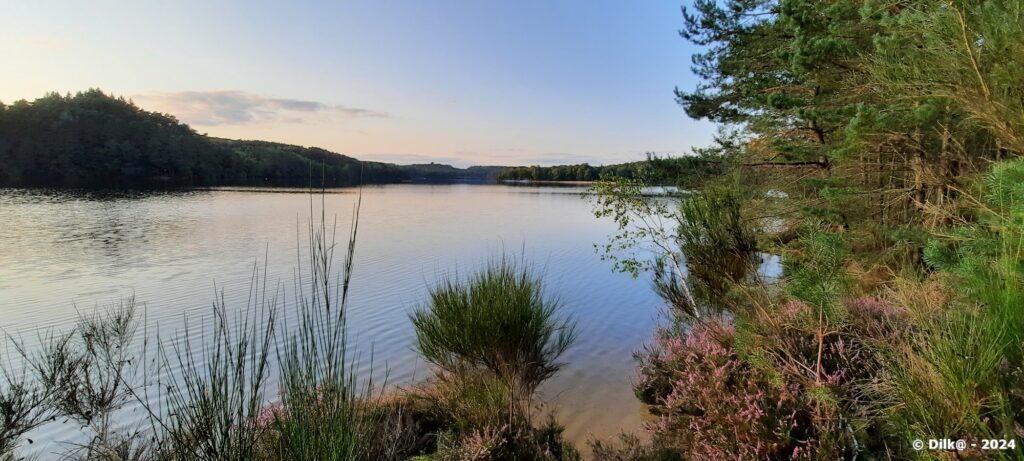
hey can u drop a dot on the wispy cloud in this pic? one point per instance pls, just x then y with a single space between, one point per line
45 43
230 107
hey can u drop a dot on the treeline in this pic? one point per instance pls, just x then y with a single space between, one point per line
876 147
439 172
94 139
580 172
683 171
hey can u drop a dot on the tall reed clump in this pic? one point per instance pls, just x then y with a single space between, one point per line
206 393
208 409
323 412
322 418
494 338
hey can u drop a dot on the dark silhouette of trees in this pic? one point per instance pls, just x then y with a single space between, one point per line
92 139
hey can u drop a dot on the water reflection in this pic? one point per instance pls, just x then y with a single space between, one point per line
62 249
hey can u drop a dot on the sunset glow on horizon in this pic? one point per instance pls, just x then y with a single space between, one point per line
413 82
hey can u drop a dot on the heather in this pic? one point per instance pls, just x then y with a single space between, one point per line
874 148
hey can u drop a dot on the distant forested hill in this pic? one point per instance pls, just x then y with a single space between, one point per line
94 139
275 164
441 172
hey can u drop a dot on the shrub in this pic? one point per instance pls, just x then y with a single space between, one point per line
462 403
494 338
719 407
718 242
498 320
84 375
958 374
214 400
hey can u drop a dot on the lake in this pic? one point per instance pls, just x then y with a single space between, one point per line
67 252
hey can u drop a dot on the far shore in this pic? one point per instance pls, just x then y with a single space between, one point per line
537 181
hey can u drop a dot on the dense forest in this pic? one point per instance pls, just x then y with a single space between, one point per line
875 148
581 172
684 171
94 139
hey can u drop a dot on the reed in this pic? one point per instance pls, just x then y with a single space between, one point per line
322 417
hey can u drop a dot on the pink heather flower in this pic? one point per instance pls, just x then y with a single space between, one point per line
793 309
270 413
718 407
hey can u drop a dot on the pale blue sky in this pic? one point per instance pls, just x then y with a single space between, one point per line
460 82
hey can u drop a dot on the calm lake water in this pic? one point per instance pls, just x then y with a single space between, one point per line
62 253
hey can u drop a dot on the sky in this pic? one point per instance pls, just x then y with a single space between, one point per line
460 82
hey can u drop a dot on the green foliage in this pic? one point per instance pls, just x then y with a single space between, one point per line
581 172
700 239
776 66
92 138
964 53
494 338
475 415
215 398
318 385
857 130
717 240
969 359
989 255
692 171
640 218
498 320
682 171
468 401
262 163
818 276
948 381
437 172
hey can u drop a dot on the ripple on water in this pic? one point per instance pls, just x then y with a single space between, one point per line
64 252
